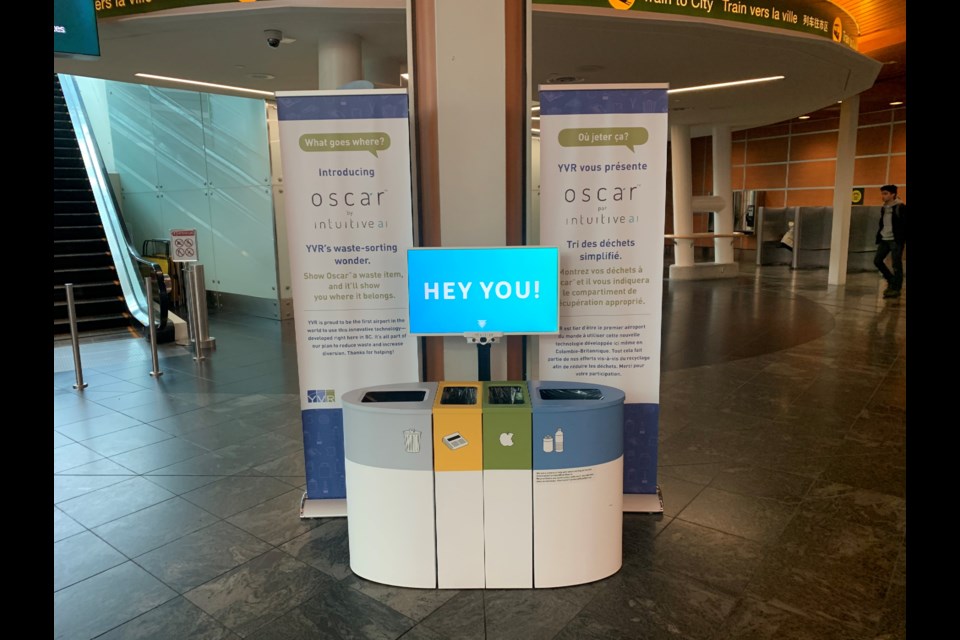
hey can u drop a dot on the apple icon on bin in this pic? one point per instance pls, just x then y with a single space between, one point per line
506 439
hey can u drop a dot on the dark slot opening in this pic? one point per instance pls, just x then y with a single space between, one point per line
412 395
506 394
459 395
570 394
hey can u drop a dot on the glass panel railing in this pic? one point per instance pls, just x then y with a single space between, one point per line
131 267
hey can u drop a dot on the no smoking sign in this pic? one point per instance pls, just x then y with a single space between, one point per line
183 245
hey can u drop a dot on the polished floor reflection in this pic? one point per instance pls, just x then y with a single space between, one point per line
782 469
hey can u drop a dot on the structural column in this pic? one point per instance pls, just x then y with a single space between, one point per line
339 57
722 188
682 194
843 188
469 81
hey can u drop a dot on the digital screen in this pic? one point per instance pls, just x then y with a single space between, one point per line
502 290
75 29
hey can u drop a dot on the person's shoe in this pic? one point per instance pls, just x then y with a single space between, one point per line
891 293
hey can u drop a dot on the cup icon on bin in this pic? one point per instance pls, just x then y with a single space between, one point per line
411 441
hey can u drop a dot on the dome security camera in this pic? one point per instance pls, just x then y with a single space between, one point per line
274 37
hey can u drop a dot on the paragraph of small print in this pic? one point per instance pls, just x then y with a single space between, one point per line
565 475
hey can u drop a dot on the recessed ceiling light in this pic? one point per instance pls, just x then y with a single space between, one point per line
564 79
261 76
803 118
721 85
203 84
896 103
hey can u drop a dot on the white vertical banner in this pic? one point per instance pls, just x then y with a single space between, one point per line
346 168
603 155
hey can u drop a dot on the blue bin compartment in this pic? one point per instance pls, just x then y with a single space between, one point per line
577 482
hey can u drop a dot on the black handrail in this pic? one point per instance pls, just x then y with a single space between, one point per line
163 296
155 271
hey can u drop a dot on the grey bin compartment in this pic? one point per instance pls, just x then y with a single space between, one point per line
864 223
772 223
388 452
577 482
813 236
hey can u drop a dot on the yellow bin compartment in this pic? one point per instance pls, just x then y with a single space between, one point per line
458 427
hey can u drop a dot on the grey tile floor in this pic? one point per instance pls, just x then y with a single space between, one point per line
782 469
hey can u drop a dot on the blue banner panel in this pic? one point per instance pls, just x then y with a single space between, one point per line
640 434
603 101
603 164
359 106
323 453
347 202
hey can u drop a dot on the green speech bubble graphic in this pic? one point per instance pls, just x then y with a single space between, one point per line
604 137
372 142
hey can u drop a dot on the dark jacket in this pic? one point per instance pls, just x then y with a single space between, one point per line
899 223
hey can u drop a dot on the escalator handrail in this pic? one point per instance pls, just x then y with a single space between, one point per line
156 273
127 259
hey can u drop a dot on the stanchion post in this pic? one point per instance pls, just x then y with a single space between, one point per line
195 317
202 333
155 372
74 338
203 324
188 295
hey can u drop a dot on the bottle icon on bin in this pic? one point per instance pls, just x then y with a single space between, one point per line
553 443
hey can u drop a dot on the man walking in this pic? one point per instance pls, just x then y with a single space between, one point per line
891 239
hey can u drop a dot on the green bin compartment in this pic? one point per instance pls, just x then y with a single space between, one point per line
507 426
507 485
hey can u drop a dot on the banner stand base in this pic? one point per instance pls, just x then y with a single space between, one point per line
333 508
643 502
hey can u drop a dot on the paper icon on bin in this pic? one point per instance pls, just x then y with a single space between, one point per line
411 441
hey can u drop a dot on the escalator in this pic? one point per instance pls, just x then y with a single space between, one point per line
91 247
